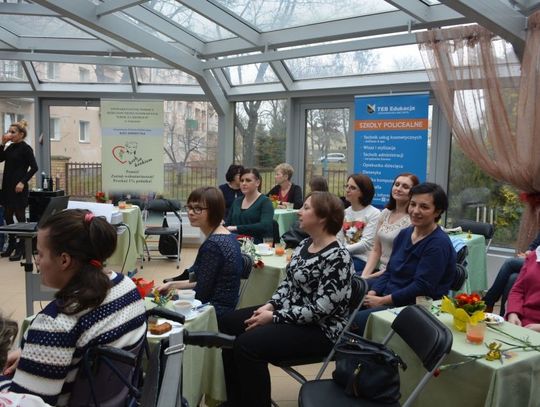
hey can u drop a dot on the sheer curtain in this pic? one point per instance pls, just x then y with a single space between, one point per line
489 99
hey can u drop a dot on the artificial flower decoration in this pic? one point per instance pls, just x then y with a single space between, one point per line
248 247
352 230
101 197
275 200
465 308
143 286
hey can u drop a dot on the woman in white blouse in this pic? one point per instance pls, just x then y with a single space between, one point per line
393 218
360 224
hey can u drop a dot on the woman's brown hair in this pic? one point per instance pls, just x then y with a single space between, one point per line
212 199
330 208
89 240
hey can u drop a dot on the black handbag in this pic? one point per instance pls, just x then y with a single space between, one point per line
367 369
168 245
294 236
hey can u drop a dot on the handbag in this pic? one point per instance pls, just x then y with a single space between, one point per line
293 236
367 369
168 245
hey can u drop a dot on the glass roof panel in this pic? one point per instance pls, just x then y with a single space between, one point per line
81 73
269 15
145 27
40 26
12 71
160 76
190 20
250 74
391 59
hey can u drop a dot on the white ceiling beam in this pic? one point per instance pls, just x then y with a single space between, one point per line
26 10
8 37
283 74
112 6
133 78
30 74
383 23
424 13
81 59
224 19
222 80
106 39
74 45
302 52
498 17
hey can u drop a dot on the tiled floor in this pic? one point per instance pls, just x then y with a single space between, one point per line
12 303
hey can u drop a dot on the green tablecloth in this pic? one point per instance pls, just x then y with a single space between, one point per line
203 367
262 283
476 262
132 239
285 218
515 382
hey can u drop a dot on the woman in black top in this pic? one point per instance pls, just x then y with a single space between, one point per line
20 165
285 190
231 189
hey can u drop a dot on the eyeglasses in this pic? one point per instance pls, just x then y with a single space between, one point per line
351 187
197 210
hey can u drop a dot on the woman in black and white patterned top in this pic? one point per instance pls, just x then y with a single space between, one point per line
304 316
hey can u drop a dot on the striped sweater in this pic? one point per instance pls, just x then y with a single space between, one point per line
55 342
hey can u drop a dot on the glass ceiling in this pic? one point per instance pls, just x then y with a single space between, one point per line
229 49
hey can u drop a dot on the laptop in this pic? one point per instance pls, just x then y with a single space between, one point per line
56 204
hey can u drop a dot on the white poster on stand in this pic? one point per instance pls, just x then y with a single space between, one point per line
132 150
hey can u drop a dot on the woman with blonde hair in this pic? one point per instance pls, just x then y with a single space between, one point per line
284 189
20 166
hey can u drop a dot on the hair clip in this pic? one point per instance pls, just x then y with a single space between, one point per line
96 263
88 217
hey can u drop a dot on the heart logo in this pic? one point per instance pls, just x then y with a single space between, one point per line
118 152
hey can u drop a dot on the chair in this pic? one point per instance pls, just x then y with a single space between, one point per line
108 377
275 232
247 266
428 338
478 228
160 208
359 291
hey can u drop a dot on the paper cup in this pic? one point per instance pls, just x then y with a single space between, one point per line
188 295
183 307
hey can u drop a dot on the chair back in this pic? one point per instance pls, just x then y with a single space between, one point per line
428 337
163 205
461 277
107 376
275 232
478 228
247 266
461 255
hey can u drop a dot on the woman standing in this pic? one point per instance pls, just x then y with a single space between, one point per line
93 306
360 225
423 260
305 315
284 189
20 165
253 213
393 218
218 264
231 189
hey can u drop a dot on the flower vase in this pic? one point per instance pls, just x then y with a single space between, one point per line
459 323
275 204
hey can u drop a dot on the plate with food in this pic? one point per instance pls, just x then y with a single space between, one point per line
264 250
493 319
162 328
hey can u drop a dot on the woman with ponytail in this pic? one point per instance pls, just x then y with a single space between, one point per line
20 166
93 306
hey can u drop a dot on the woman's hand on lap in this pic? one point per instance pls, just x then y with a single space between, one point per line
372 301
261 316
12 361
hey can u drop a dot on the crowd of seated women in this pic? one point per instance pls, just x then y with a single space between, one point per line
402 252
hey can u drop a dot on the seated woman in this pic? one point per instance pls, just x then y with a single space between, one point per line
423 260
393 218
318 183
218 264
506 277
284 189
231 189
253 213
524 298
305 315
8 333
360 225
93 306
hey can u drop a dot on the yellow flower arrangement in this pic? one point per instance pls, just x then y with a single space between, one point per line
465 308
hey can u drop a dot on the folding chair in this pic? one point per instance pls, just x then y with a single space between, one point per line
428 338
247 266
108 377
478 228
160 208
359 291
461 277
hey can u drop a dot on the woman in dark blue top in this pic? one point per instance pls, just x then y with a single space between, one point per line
218 264
423 259
231 189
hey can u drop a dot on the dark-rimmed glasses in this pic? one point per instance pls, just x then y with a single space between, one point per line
197 210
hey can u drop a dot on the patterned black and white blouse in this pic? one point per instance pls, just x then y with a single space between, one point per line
316 289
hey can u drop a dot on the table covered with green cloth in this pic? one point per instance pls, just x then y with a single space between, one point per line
262 282
285 218
514 382
202 367
476 261
130 244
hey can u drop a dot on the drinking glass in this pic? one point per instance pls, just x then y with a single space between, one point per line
476 332
269 241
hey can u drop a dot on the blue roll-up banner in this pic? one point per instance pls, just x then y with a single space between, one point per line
391 134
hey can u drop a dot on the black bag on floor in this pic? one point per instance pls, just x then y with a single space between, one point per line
167 245
367 369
